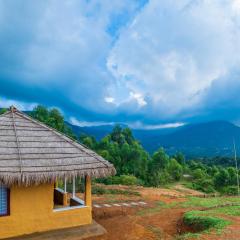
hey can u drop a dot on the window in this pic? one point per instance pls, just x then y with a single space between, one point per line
4 200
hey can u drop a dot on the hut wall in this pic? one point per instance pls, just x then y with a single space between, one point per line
31 210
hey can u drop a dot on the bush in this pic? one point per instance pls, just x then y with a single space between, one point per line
201 222
230 190
204 185
100 191
128 180
159 178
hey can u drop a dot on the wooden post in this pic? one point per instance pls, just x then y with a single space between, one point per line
73 188
56 184
65 197
65 185
88 191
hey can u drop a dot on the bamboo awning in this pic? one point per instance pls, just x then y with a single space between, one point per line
33 153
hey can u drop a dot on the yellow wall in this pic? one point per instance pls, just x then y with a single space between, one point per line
31 210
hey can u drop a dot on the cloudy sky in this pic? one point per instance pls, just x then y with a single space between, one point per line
146 63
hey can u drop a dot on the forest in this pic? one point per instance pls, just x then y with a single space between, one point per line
135 165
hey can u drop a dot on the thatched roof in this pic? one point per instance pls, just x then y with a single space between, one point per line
33 153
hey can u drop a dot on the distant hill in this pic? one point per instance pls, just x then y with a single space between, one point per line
194 140
97 131
199 140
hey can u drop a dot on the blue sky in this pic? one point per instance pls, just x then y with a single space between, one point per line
145 63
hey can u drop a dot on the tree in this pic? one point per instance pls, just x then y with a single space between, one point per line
180 158
232 175
222 178
89 142
160 159
53 118
198 174
175 169
3 110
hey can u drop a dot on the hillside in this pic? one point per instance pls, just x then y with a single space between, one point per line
194 140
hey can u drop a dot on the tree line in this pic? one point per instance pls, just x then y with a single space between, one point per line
135 165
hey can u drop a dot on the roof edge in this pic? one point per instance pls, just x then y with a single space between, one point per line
28 179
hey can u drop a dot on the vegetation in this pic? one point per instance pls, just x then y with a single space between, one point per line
201 222
3 110
128 180
210 202
100 191
53 118
135 166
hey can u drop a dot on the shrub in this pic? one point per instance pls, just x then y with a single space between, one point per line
230 190
204 185
100 191
201 222
128 180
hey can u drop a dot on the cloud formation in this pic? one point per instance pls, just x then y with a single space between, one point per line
147 62
175 51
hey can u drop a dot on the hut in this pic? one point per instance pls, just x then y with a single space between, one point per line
33 157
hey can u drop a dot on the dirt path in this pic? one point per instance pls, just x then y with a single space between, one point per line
124 223
132 226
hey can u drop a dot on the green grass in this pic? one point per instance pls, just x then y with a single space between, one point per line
189 236
202 221
156 231
151 211
100 191
157 208
228 210
209 202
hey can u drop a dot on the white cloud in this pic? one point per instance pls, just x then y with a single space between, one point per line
174 51
61 46
140 125
109 99
236 6
22 106
139 99
81 123
133 125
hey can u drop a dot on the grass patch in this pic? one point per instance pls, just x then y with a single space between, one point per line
100 191
151 211
156 231
201 221
209 202
229 210
189 236
157 208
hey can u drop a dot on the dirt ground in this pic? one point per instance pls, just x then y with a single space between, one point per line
128 223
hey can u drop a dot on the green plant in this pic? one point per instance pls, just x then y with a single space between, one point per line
200 222
209 202
229 190
228 210
128 180
100 191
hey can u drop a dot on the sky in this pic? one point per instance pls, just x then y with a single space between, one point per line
146 63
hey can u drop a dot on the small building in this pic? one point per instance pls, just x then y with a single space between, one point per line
33 158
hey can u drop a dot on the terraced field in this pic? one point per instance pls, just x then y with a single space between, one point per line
175 213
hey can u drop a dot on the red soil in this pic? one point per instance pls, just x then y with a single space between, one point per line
124 223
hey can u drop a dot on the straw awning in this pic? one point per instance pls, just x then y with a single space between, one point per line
33 153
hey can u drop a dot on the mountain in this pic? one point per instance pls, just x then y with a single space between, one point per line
199 140
194 140
97 131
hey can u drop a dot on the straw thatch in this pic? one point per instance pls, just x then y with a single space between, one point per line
32 153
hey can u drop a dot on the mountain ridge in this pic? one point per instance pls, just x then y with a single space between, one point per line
208 139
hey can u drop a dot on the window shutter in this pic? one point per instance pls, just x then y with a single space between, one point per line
3 200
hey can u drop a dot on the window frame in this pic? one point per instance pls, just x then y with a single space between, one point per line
8 204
